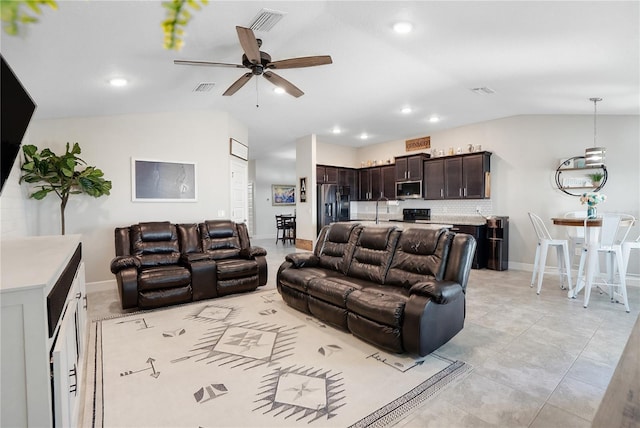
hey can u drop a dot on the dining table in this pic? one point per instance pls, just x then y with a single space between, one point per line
591 246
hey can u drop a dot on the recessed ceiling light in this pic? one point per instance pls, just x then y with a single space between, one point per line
406 110
336 130
434 119
278 90
363 136
118 81
402 27
483 90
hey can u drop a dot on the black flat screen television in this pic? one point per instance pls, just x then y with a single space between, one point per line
16 110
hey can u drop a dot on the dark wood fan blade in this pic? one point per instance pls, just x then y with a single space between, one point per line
207 63
249 44
238 84
307 61
289 87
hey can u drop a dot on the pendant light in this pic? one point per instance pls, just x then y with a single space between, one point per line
594 156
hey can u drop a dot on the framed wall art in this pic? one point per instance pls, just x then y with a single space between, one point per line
160 181
283 194
237 149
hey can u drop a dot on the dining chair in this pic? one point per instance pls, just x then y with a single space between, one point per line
627 246
575 235
285 228
613 232
544 242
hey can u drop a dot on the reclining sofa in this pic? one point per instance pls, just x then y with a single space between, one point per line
160 264
403 291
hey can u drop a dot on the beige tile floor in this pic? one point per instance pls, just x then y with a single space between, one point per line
538 361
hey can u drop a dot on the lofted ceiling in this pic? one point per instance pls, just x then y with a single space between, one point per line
539 57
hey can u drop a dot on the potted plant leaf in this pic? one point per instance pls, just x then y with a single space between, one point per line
596 178
59 174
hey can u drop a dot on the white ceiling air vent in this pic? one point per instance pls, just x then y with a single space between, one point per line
484 90
204 87
266 19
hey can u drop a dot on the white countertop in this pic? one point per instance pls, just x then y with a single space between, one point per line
401 225
446 220
34 261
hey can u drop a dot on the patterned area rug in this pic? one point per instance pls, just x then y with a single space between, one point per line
249 360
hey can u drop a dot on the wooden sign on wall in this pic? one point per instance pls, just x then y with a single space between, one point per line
418 144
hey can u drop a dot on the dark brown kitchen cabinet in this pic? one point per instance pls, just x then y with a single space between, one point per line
409 168
434 179
377 182
467 176
388 175
326 174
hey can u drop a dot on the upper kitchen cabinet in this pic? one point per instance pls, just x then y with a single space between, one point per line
377 182
458 177
326 174
409 168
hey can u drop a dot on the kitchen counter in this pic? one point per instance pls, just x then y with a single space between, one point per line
422 224
441 220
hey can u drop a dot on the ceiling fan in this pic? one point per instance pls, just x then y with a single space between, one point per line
260 64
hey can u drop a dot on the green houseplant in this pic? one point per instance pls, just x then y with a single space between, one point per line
58 174
596 178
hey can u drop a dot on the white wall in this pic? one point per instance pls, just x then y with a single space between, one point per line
109 143
333 154
306 222
266 172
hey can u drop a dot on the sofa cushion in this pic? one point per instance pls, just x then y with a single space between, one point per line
220 239
236 268
377 306
421 255
333 290
372 254
159 277
299 278
338 245
155 243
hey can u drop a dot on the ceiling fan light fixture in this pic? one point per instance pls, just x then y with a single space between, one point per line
402 27
278 90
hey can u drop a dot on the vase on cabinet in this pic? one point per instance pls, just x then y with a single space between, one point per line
592 212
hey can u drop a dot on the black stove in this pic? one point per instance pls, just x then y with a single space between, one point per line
410 215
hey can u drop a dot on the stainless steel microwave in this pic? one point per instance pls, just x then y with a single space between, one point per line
409 190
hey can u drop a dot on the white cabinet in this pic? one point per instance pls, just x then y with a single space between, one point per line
43 321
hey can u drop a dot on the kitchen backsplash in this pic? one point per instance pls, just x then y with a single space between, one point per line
393 209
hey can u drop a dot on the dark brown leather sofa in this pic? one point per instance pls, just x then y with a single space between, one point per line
160 264
403 291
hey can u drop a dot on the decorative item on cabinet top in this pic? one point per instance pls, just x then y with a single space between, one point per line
574 178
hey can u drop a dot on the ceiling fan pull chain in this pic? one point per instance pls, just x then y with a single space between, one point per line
257 94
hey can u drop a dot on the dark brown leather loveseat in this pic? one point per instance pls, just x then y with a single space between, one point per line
403 291
160 263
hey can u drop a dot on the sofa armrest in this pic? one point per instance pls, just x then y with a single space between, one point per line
257 252
441 292
300 260
124 262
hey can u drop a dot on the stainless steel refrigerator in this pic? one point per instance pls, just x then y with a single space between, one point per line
333 204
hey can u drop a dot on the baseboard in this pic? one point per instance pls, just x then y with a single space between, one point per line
102 285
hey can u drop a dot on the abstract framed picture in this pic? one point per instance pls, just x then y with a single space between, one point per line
283 194
161 181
